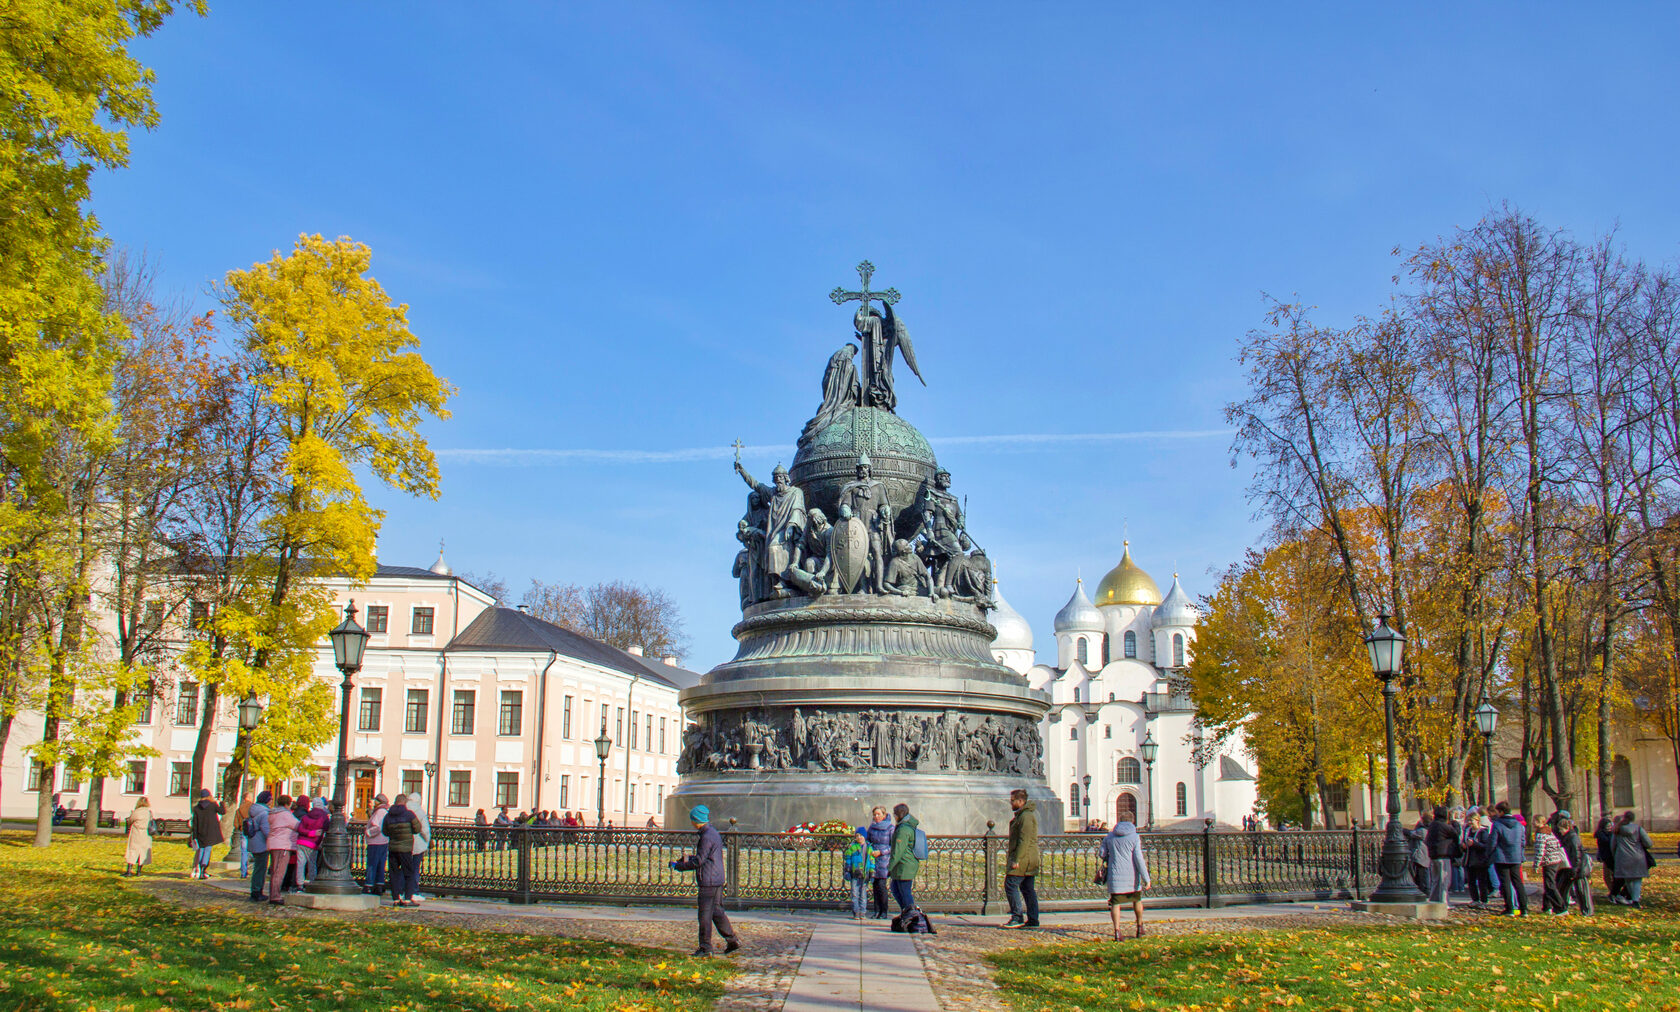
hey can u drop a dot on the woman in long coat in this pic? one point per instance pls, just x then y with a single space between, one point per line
1124 872
1633 860
139 853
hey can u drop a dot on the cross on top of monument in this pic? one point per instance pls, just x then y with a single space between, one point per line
865 270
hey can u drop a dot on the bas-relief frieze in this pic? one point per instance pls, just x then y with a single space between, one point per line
862 740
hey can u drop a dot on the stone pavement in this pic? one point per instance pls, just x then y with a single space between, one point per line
859 965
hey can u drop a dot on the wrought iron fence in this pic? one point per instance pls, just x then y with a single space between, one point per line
961 874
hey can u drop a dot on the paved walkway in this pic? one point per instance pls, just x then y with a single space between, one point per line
860 965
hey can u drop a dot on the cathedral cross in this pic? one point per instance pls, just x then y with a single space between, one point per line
865 270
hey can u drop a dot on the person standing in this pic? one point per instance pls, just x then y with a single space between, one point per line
707 864
1575 884
1605 837
312 825
481 830
1419 836
240 814
858 869
378 846
138 854
1018 880
1441 839
880 845
402 829
422 843
206 830
902 864
256 844
1552 865
1633 858
1507 838
1125 873
282 838
1478 858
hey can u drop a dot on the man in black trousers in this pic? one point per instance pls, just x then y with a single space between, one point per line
707 860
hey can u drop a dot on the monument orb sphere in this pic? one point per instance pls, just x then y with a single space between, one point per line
863 673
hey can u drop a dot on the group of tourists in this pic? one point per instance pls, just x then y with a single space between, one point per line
1481 850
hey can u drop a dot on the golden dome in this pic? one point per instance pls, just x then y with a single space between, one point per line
1127 584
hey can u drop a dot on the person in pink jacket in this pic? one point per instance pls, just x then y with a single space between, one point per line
312 825
282 840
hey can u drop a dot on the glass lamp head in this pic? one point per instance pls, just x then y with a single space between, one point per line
1149 749
1386 646
603 744
1487 718
349 639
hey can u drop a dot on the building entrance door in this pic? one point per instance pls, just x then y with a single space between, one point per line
1125 809
363 802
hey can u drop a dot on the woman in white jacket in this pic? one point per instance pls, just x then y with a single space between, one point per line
422 841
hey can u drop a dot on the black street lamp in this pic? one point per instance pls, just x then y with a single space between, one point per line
1487 720
250 715
1087 782
1387 646
431 771
603 747
349 639
1149 750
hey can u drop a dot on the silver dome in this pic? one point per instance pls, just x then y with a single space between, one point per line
1079 614
1176 609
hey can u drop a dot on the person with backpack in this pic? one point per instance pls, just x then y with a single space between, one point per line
402 828
378 846
1633 858
858 869
256 844
237 844
707 864
1575 885
909 847
880 844
1507 840
1124 872
1441 840
1023 862
282 837
1552 864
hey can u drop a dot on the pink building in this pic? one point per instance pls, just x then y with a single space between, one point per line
471 705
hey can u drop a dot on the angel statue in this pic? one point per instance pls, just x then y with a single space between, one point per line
882 337
840 392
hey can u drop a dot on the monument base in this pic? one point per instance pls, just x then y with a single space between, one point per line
1410 911
329 901
944 804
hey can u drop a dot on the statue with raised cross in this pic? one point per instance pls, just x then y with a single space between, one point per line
882 336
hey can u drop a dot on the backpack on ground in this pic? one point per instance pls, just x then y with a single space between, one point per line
913 922
920 849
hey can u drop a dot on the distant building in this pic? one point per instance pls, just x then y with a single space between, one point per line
469 704
1117 680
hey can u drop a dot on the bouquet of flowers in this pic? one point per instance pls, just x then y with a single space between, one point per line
833 827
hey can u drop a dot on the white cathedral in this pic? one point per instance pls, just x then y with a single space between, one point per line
1121 739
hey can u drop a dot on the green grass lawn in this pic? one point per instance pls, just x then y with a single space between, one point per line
76 935
1619 959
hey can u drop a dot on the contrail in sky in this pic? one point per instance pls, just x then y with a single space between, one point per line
557 457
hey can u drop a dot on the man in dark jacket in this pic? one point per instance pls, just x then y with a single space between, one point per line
206 831
1573 882
902 864
1442 840
707 862
1508 836
1023 862
1605 837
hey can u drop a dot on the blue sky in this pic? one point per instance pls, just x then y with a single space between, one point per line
615 226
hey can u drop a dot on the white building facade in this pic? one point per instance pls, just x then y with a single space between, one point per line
468 704
1115 686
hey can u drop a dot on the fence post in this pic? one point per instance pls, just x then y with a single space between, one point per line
733 846
522 887
1210 878
988 848
1358 886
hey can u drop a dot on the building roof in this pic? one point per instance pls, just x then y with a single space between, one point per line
1230 769
1013 631
1079 614
514 630
1127 584
1176 609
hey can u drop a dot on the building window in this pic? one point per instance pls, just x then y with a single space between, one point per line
660 806
413 782
507 790
422 624
661 735
633 728
1338 794
603 716
34 783
460 782
509 719
135 782
1108 730
1131 644
199 616
143 700
368 718
1130 771
1082 652
1181 796
618 735
1621 782
565 789
414 713
1513 781
180 779
379 618
1073 794
566 721
1178 650
186 703
630 804
461 718
1073 732
153 622
1107 646
647 741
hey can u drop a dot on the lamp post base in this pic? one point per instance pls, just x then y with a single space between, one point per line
333 901
1424 911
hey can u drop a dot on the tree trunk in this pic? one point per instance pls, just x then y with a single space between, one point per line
206 727
96 800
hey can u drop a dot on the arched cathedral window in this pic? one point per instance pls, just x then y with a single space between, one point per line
1182 796
1621 782
1178 650
1129 772
1082 652
1131 644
